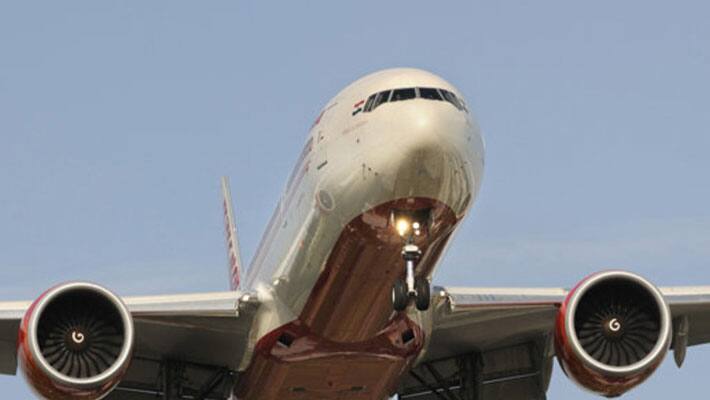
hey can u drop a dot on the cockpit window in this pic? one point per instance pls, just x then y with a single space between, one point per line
382 97
451 98
430 93
426 93
370 102
404 94
463 105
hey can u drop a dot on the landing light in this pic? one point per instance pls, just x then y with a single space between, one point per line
403 226
417 227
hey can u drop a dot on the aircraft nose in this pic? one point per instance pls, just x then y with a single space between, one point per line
428 154
430 131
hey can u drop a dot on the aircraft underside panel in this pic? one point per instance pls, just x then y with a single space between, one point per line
151 379
520 372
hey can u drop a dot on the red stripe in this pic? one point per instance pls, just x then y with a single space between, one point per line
359 103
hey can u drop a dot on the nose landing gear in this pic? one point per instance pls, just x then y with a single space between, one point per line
411 287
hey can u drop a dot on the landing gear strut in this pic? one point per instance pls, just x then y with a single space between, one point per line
411 287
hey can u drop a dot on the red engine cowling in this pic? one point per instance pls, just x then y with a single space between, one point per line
75 342
612 332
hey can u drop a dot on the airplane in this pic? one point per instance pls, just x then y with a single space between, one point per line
338 302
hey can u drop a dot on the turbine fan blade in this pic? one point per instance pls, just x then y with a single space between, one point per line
79 341
629 342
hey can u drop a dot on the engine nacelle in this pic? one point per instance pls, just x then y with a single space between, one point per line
75 342
612 332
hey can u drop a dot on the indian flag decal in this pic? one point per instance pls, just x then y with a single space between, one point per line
358 107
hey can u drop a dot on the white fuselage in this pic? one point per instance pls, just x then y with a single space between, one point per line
351 163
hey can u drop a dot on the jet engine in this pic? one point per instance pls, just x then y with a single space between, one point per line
75 342
612 332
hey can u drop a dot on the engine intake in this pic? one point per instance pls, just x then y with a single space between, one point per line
76 341
613 331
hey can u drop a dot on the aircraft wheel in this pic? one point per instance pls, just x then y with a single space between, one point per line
423 289
400 296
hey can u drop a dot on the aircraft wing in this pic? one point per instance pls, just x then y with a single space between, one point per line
691 303
11 314
197 339
503 339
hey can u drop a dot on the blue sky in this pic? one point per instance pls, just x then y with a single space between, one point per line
117 119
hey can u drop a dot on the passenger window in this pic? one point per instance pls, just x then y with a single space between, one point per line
404 94
382 97
370 102
429 93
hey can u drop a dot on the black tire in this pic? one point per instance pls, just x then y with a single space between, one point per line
423 289
400 295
